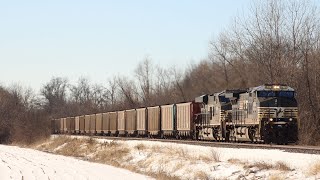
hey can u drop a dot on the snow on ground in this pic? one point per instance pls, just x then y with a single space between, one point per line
231 163
190 161
21 163
295 160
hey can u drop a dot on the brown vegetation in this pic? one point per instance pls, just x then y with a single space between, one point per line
276 177
281 166
21 118
202 175
259 165
315 169
111 153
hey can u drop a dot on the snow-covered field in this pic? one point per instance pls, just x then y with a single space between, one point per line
28 164
164 160
190 161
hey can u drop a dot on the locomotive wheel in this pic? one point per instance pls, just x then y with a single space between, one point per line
267 139
227 138
194 136
252 134
178 136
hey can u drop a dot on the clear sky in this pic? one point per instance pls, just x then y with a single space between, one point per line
101 38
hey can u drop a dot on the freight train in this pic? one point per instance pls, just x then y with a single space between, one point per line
265 114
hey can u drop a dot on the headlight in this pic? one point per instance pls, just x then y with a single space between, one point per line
270 119
290 119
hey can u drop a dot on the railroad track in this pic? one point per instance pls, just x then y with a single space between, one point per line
286 148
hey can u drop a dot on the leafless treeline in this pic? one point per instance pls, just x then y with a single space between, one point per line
277 42
21 116
149 85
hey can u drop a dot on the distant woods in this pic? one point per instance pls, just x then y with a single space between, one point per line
149 85
276 42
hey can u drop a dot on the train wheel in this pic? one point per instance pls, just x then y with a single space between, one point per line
267 139
252 135
178 136
194 136
227 138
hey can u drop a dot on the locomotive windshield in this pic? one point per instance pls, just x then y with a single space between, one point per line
287 94
224 99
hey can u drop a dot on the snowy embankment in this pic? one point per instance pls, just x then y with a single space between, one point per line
21 163
179 161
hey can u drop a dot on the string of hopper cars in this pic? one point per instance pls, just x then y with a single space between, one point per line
267 113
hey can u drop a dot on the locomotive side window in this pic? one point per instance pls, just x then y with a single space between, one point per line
262 94
224 99
288 94
266 94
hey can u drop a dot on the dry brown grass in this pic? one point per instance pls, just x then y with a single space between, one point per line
282 166
234 161
178 166
78 148
131 168
276 177
156 148
202 175
161 175
212 157
118 154
35 145
259 165
206 159
140 147
315 169
112 154
51 145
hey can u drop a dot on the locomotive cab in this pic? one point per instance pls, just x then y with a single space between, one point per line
277 113
216 114
266 113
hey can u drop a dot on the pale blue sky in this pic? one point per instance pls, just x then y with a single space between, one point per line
99 39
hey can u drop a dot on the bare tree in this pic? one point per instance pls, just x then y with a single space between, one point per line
81 92
55 94
144 74
178 79
112 92
99 96
128 92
